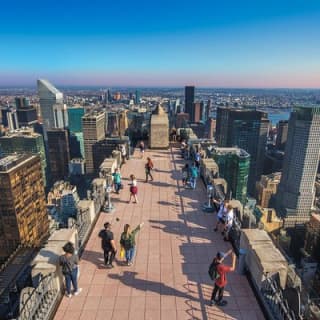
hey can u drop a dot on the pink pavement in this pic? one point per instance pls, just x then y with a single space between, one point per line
169 278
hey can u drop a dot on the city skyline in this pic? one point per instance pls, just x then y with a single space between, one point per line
141 44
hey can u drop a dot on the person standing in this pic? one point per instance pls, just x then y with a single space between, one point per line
185 174
123 153
69 262
197 159
133 188
128 242
148 167
116 180
194 176
221 278
221 214
141 147
228 222
108 245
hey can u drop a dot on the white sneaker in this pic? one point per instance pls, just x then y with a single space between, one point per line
68 295
78 291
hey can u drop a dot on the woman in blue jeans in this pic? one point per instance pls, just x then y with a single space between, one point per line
69 264
128 242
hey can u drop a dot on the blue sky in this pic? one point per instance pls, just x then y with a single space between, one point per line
161 43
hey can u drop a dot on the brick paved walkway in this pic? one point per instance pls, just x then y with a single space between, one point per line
169 277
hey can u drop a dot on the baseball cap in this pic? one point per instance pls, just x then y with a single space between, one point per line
220 255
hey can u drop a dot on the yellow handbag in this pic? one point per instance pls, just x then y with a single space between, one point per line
122 253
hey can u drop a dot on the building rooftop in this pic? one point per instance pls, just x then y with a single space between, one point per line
169 278
239 152
10 162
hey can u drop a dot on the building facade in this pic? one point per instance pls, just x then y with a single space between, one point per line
49 97
59 154
26 141
245 129
234 164
189 100
282 134
266 187
23 214
75 115
93 125
296 190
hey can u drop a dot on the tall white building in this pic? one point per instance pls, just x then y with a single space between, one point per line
49 98
296 191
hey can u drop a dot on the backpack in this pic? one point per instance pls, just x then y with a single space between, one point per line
213 272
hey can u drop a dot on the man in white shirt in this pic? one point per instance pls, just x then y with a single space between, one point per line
221 213
228 221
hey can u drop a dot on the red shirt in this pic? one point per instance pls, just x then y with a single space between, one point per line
222 270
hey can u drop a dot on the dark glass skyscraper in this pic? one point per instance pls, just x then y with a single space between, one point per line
245 129
189 100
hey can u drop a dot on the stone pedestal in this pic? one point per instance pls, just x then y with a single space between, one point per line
262 257
159 130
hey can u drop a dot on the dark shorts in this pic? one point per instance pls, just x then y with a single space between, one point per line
221 220
134 189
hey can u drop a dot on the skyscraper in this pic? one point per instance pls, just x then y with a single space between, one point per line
23 213
189 100
75 115
295 195
137 97
234 164
245 129
93 126
60 116
197 112
282 134
59 153
26 141
49 96
10 118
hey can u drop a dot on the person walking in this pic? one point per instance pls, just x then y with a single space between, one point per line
148 167
108 245
141 147
69 262
133 188
221 277
185 174
194 176
117 180
128 242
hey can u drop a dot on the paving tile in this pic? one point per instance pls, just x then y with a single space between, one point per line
169 277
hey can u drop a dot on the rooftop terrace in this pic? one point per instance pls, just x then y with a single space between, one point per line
169 278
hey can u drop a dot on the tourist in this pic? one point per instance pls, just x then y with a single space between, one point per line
141 147
128 242
117 180
123 153
108 245
197 159
185 174
221 277
133 189
69 264
221 214
148 167
194 176
228 222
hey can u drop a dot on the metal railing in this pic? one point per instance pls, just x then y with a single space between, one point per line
40 303
274 300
